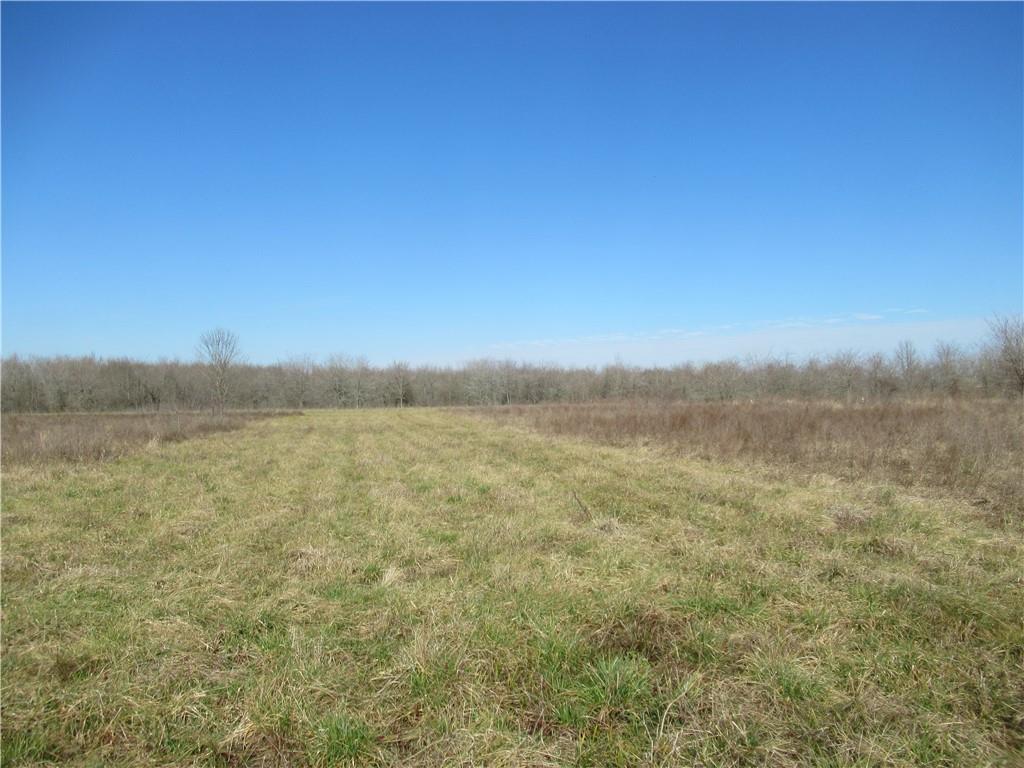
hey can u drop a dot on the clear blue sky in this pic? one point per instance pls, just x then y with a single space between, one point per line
572 182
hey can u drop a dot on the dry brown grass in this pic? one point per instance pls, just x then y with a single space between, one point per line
35 437
974 448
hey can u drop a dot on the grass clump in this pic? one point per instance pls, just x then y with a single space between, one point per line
340 740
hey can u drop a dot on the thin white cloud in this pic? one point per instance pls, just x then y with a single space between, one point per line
900 311
866 332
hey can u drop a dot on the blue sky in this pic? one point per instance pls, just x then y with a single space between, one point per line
568 182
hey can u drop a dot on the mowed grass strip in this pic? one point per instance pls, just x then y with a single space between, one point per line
419 587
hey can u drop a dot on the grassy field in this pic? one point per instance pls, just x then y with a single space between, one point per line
425 588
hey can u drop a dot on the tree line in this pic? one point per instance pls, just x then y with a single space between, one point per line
219 378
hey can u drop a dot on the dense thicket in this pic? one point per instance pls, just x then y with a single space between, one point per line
90 383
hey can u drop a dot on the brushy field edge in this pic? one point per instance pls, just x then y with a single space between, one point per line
973 449
46 437
425 588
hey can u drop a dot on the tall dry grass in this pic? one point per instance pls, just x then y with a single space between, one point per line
973 448
41 437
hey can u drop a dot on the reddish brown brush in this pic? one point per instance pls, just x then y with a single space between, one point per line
92 436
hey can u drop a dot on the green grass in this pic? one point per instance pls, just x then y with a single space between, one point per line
422 588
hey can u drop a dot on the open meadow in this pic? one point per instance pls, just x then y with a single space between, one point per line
425 587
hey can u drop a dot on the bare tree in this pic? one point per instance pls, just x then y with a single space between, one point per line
1007 343
338 380
841 371
219 350
906 362
348 380
947 367
400 380
299 378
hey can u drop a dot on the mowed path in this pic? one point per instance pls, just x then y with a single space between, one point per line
422 587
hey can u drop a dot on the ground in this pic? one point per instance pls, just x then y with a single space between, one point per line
425 587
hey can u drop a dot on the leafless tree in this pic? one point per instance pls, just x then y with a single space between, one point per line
299 379
348 381
219 350
947 368
1007 343
841 371
361 380
400 381
339 383
906 362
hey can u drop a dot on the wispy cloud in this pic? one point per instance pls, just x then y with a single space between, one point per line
793 337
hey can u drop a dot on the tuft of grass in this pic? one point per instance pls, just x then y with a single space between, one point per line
340 740
428 588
